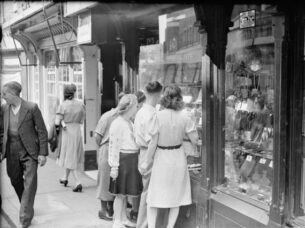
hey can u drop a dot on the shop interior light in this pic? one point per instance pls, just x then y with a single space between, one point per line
255 65
187 98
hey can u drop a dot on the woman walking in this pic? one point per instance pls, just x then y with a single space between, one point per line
169 185
123 160
69 117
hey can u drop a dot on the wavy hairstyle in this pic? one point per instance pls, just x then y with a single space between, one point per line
69 91
126 102
172 98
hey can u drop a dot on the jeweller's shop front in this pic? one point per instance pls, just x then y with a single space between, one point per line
232 64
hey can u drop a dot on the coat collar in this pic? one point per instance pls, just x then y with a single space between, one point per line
22 112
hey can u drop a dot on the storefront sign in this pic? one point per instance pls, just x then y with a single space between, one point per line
20 10
76 7
247 19
151 54
84 30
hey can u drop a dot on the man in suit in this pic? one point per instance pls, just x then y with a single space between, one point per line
24 145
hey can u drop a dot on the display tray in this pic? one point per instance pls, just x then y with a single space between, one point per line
263 154
267 154
196 175
189 85
244 197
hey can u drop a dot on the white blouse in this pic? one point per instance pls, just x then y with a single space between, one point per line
143 123
121 140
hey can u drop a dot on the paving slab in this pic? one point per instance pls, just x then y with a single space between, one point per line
55 206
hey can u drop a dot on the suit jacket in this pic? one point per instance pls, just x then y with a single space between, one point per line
1 130
31 129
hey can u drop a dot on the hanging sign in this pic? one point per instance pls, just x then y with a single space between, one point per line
84 30
247 19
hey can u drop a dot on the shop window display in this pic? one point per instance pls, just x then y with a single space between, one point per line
303 168
58 76
178 61
52 100
249 92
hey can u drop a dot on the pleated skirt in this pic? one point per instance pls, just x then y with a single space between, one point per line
129 180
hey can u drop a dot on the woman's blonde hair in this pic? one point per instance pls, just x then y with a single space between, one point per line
126 102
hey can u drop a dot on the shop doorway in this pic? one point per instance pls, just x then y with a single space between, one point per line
111 86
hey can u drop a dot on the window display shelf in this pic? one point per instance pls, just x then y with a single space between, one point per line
253 199
262 153
189 85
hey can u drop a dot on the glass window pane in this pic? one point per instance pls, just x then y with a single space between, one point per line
178 60
303 168
79 92
249 92
63 74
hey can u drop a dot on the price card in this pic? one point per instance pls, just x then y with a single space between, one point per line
271 164
249 158
262 161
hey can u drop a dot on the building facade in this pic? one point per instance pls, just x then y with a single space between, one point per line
234 63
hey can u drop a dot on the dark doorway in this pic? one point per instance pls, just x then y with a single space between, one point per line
111 58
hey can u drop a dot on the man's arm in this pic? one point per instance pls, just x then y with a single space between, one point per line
41 130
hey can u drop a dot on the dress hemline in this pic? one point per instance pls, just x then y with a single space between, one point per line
171 206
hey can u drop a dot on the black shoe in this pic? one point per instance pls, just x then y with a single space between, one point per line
110 208
104 215
78 188
64 182
133 215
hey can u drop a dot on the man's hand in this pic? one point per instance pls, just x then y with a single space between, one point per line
114 173
42 160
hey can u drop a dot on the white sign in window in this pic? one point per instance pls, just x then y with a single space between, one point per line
247 19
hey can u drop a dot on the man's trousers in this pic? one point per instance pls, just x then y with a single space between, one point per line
22 171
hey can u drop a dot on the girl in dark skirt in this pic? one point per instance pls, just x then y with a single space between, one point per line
123 159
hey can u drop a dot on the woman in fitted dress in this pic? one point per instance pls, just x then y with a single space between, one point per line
169 185
70 115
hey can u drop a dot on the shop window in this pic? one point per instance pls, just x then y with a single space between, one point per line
50 86
178 60
249 93
59 76
303 168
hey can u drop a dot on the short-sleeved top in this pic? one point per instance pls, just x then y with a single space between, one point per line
121 139
73 111
144 120
104 123
172 126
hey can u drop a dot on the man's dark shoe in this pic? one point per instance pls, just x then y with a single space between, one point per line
133 215
104 215
110 208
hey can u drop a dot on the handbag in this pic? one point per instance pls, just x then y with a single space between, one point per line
53 138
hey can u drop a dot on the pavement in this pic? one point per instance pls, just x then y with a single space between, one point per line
55 206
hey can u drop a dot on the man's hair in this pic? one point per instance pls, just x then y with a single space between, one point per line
153 87
14 86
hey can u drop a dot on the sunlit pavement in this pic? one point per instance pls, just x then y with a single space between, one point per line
55 206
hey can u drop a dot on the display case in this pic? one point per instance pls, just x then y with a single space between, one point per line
249 105
192 96
178 61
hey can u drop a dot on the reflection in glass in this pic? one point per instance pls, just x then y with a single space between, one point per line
249 91
178 60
